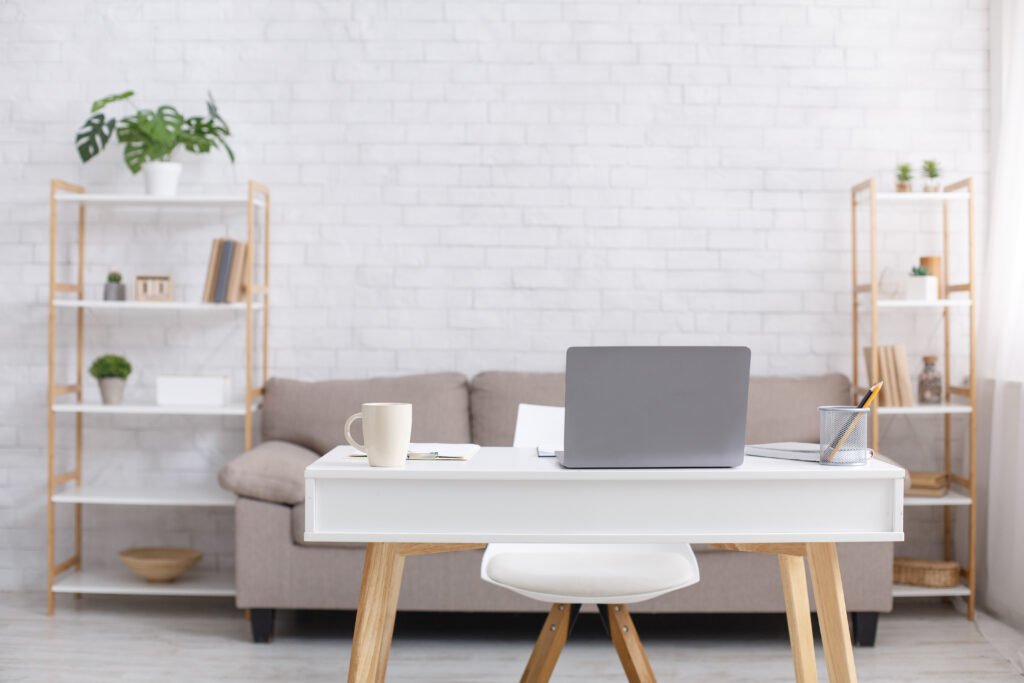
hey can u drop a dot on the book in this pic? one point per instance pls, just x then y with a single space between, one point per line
237 273
211 271
902 372
227 252
788 450
888 376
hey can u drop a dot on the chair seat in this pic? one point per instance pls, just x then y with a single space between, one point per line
593 577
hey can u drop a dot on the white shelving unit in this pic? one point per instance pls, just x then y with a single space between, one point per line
958 400
68 488
120 581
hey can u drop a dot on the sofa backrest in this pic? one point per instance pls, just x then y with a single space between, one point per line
313 414
778 408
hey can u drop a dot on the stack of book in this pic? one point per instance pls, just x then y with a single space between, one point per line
225 275
894 371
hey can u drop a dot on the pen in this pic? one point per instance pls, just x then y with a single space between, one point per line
852 422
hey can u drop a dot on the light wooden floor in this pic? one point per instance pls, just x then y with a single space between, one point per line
128 639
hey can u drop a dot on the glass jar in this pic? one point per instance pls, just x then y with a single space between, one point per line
929 385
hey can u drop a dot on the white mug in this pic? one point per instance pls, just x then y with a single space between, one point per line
387 429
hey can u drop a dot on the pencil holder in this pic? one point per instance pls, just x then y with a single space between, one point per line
844 435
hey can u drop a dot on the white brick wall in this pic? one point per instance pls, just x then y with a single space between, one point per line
468 185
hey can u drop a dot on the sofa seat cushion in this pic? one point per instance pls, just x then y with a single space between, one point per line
274 471
495 397
313 414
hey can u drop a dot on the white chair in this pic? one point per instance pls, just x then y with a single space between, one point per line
606 575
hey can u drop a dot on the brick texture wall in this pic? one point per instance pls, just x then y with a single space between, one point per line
465 185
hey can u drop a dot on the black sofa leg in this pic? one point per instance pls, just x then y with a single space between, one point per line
262 621
865 627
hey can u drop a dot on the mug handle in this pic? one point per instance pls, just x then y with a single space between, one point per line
348 434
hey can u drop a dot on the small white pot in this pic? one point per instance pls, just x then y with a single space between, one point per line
922 287
112 390
162 177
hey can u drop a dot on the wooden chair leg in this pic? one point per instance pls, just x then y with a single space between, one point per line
549 643
831 603
798 616
378 596
627 644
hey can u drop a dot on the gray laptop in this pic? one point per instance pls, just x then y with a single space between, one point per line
655 406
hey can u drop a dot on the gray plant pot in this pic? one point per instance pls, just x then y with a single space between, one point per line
112 390
113 291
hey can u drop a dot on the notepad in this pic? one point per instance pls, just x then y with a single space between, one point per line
436 451
788 450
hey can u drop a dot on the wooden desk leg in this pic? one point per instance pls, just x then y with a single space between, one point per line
828 595
394 586
378 597
798 616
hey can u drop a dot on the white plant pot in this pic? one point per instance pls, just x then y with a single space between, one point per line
162 178
922 287
112 390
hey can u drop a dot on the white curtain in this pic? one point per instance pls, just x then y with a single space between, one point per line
1001 338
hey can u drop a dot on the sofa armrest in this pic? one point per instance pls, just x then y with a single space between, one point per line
274 471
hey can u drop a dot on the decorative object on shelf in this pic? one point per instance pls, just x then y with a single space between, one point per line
904 176
931 172
112 372
929 384
225 273
192 390
921 285
150 137
113 290
932 573
933 484
933 264
160 565
154 288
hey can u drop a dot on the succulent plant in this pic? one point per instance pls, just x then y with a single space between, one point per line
113 276
930 169
904 173
919 271
110 366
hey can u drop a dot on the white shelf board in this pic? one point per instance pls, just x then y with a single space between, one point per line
148 409
121 581
926 409
949 498
208 496
902 590
150 200
921 303
920 196
152 305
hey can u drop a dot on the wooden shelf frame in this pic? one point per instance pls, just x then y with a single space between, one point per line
257 299
962 193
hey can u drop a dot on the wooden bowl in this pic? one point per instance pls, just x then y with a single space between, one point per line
160 565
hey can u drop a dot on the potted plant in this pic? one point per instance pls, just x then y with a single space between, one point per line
111 371
113 290
150 137
931 172
903 177
922 285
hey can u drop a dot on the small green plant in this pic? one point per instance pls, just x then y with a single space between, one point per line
904 173
113 276
931 169
919 271
110 366
150 135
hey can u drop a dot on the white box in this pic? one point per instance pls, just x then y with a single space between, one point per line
192 390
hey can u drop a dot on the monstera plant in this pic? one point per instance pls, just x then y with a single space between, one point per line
150 136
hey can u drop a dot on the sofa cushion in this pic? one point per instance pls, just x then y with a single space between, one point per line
786 408
274 471
778 409
494 398
313 414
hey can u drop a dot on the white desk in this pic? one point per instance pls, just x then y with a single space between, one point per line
788 508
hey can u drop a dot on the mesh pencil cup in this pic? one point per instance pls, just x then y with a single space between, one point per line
844 435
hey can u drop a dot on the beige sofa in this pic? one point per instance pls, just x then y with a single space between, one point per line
276 568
